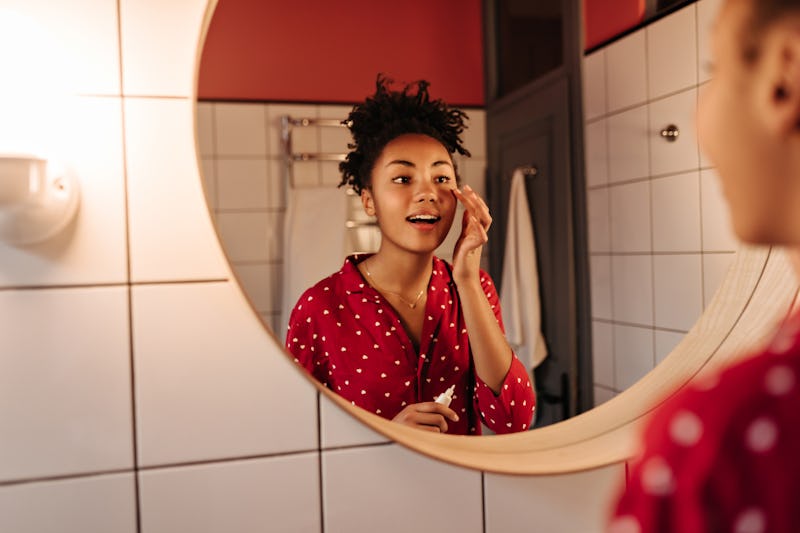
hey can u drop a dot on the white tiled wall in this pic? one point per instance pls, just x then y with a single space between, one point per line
659 236
138 390
247 185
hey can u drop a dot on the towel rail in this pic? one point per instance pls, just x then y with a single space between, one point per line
351 224
529 171
303 122
307 156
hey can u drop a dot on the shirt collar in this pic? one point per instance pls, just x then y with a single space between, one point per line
354 283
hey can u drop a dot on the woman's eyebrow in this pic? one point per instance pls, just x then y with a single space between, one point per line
401 162
405 163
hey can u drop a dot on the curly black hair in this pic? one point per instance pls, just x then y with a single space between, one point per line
388 114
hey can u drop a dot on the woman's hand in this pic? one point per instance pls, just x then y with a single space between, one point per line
429 416
474 227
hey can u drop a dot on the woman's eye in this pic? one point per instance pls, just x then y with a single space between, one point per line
401 179
443 179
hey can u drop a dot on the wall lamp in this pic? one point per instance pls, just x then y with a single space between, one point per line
38 198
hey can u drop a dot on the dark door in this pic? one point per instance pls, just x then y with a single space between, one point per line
533 123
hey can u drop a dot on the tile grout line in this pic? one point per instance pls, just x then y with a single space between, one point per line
126 210
320 468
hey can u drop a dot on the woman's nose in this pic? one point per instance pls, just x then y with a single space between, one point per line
426 192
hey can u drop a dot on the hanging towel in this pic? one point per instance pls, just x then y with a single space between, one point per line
314 241
519 293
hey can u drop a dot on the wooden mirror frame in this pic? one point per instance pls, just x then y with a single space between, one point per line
757 292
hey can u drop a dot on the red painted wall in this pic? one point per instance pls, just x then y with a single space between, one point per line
327 51
604 19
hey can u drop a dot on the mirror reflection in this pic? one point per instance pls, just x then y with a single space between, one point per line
400 332
272 150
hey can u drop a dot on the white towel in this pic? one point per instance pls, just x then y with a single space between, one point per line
519 295
314 241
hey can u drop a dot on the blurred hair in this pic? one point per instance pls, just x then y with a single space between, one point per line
763 14
388 114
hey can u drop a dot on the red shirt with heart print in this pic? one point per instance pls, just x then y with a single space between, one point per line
723 454
345 334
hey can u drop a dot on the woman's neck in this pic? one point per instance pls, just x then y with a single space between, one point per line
399 271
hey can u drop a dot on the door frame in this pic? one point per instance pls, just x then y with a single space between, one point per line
572 43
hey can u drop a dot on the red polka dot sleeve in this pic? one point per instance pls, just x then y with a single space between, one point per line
511 410
722 455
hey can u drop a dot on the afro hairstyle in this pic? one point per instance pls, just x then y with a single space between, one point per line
388 114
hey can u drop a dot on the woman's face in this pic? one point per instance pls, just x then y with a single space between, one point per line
736 132
411 193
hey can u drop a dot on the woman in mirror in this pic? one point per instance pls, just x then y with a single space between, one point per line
722 454
392 331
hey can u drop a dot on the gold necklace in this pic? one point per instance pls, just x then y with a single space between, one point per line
412 305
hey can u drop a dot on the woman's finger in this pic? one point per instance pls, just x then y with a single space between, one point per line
477 206
433 407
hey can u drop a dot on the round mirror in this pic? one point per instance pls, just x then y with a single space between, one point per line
274 134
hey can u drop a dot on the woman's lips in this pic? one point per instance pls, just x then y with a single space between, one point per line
423 222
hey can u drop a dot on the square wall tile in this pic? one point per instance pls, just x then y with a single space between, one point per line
305 139
251 236
374 488
261 283
171 233
602 395
706 15
204 115
597 207
159 59
334 140
666 341
626 72
329 173
66 398
718 234
632 292
672 53
628 145
92 248
305 174
551 503
630 217
633 350
85 505
682 154
87 37
600 271
715 268
474 135
596 153
212 383
271 494
594 85
208 169
676 213
339 429
702 91
602 354
473 173
678 282
274 113
240 129
242 184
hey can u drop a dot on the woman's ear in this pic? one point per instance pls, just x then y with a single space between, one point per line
779 76
368 202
